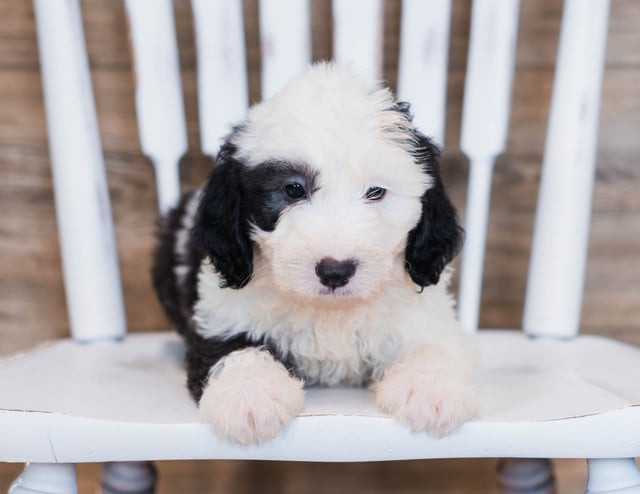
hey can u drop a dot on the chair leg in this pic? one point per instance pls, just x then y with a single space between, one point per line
135 477
616 475
46 478
526 476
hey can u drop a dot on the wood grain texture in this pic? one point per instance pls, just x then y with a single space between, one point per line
31 294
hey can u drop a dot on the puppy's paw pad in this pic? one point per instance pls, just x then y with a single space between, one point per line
251 405
427 402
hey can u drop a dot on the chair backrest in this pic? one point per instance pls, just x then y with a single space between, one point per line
92 283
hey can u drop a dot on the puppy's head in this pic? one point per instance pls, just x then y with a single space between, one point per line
329 191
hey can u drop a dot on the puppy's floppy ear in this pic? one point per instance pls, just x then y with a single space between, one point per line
221 228
437 237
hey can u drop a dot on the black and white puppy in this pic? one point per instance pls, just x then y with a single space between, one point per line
315 255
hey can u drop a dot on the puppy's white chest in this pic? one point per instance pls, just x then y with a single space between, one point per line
327 346
334 355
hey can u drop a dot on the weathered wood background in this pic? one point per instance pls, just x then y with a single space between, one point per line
32 305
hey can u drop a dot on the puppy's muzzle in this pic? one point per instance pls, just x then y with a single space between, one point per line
333 273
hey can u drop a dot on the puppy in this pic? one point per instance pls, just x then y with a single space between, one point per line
314 255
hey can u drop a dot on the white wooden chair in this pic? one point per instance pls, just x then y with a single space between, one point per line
102 396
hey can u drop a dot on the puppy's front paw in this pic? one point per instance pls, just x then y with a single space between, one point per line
431 398
250 397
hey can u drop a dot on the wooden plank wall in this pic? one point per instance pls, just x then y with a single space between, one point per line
31 293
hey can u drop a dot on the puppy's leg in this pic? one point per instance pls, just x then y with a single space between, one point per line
249 396
429 390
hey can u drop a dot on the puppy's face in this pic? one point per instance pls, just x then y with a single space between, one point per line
334 191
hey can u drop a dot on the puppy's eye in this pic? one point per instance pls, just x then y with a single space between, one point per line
375 193
295 190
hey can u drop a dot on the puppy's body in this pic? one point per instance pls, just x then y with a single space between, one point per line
314 255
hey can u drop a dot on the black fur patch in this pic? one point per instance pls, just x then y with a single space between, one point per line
238 197
266 196
176 299
222 225
438 236
204 353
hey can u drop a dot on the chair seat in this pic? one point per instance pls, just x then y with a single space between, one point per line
71 402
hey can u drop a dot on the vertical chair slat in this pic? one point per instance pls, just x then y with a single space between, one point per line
285 39
91 275
422 66
222 70
485 119
559 248
357 34
159 107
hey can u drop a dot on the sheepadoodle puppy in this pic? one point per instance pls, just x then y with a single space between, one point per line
316 255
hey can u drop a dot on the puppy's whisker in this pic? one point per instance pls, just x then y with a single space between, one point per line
258 271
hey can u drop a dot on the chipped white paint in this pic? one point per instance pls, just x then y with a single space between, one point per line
159 108
222 72
561 230
485 120
422 64
357 34
285 39
91 275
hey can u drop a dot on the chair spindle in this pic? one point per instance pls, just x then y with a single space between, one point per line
561 232
485 119
89 258
358 34
222 72
285 39
159 107
422 64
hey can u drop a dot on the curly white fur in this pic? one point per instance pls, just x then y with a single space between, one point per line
428 390
250 397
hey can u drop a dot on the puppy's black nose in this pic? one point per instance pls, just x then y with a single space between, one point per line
333 273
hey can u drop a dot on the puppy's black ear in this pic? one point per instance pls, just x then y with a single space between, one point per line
221 228
437 237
